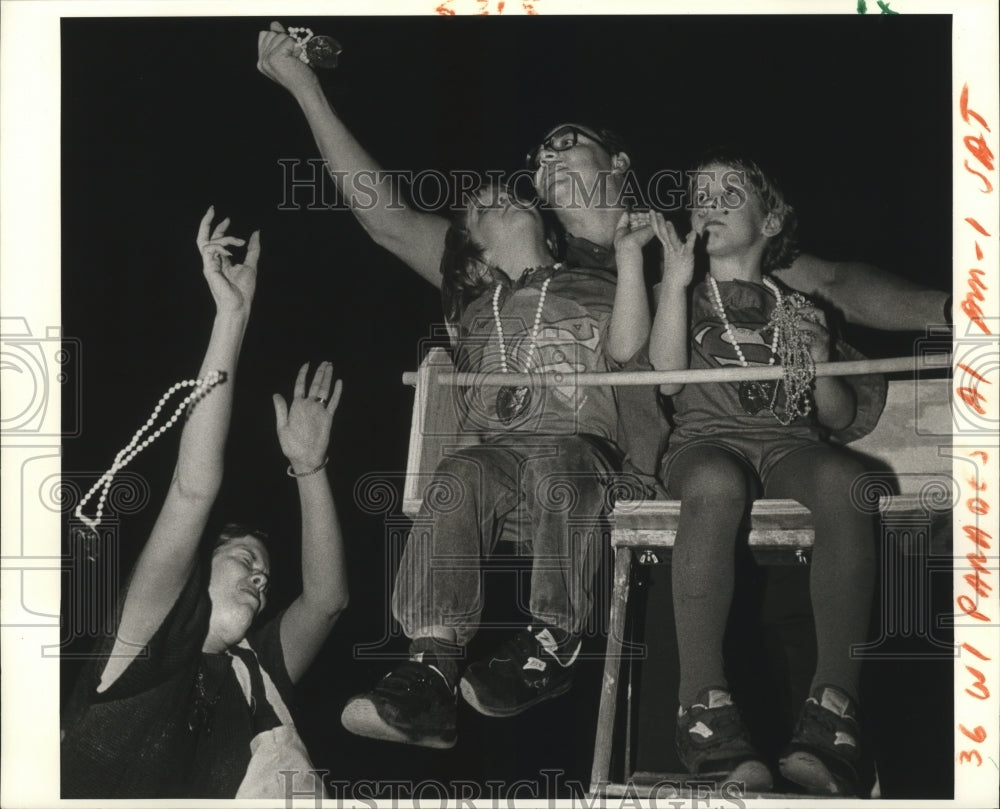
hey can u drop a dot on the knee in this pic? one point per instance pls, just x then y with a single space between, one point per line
838 480
560 481
456 481
711 482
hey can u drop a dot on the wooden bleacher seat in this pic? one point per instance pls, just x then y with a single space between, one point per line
434 429
911 479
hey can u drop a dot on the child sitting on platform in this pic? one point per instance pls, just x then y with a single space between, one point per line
736 441
546 457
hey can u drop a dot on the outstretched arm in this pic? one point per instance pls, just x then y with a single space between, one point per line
415 237
867 295
168 556
669 343
304 434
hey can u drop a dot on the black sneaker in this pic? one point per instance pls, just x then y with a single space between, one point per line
413 704
712 742
531 667
825 754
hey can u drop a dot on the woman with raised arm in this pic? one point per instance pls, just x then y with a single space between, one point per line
184 701
568 158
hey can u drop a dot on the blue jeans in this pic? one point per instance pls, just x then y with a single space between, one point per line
561 482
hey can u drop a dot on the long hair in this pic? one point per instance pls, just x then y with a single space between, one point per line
782 249
465 275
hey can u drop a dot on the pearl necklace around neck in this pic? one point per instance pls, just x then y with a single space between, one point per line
754 395
720 310
512 400
798 368
534 328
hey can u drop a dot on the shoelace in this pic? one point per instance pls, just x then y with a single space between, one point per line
409 677
520 648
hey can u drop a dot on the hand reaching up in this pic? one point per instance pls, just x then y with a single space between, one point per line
304 426
632 233
678 254
232 285
278 59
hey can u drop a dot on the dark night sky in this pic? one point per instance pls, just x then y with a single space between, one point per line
161 117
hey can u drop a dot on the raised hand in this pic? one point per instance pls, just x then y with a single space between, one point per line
278 59
632 233
232 285
304 426
678 254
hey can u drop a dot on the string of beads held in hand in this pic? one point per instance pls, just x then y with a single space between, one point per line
797 364
316 50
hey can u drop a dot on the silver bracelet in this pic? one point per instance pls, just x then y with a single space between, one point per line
293 474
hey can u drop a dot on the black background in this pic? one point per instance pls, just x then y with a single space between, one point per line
161 117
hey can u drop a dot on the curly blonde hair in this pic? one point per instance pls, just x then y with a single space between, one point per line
782 249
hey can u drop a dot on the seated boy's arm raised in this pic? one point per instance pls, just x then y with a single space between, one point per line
669 342
630 321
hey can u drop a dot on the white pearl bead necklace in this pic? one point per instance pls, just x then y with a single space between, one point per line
534 328
788 341
301 37
720 310
135 446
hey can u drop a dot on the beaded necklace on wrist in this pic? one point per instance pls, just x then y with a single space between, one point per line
512 400
137 443
789 344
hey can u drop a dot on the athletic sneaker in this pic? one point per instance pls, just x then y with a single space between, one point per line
413 704
825 754
532 666
712 742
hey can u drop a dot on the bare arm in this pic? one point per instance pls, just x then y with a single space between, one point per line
867 295
630 320
169 554
669 342
304 434
415 237
835 402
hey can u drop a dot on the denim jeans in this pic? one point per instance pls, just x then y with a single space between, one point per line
561 484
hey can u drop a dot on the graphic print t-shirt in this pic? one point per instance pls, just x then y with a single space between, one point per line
571 334
714 408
